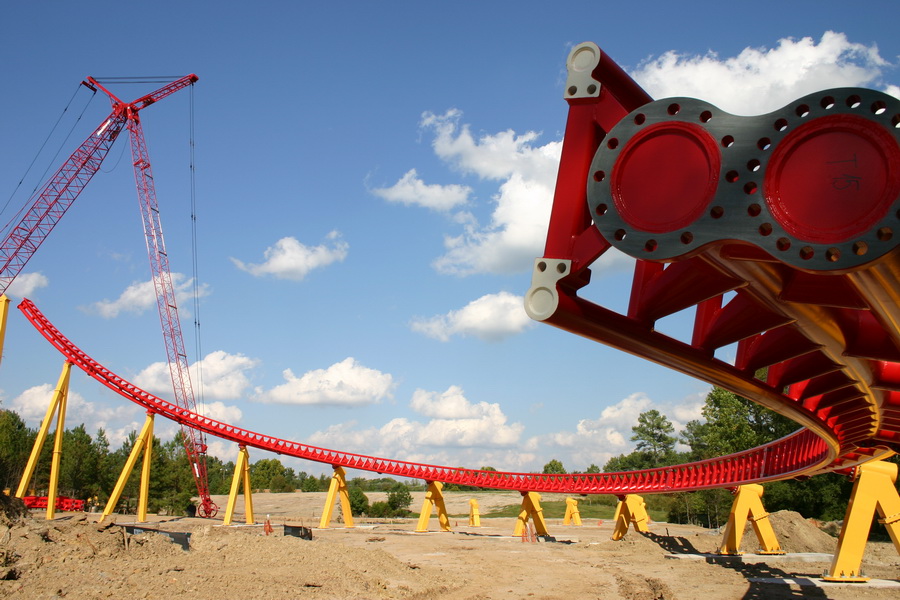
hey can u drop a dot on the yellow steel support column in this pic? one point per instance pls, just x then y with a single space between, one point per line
572 515
56 457
474 516
531 507
4 312
144 438
748 503
630 509
873 490
62 391
338 487
241 477
144 494
434 497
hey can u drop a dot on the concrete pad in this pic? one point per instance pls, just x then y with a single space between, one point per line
756 558
807 582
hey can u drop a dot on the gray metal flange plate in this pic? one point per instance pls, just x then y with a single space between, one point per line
815 184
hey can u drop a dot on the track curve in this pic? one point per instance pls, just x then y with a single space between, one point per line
797 454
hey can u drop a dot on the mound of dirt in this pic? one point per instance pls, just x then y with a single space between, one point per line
11 510
797 534
78 559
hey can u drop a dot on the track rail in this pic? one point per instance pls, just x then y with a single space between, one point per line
800 453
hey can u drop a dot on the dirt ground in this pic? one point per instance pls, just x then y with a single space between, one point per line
74 557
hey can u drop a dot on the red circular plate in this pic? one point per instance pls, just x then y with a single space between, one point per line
665 177
832 179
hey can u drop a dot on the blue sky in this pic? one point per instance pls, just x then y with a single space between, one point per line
373 181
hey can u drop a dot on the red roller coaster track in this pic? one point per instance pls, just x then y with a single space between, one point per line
799 453
776 233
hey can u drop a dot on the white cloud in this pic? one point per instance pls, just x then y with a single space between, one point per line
222 412
760 80
140 296
457 428
518 224
346 383
26 283
117 419
451 404
597 440
411 190
224 376
469 434
492 317
293 260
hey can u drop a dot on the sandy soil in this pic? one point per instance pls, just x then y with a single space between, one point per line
74 557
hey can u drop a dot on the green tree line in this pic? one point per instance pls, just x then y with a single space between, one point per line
90 468
730 424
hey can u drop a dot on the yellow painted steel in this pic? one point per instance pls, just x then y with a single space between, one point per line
573 517
630 509
61 392
56 457
531 508
874 489
474 515
4 312
144 494
338 487
241 477
144 439
748 503
434 498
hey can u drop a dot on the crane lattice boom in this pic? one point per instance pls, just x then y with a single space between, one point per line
58 194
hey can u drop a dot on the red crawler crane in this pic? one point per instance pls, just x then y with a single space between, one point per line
58 194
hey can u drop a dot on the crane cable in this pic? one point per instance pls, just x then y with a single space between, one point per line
195 276
52 161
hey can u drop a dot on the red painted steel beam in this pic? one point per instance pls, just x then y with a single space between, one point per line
774 232
800 453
